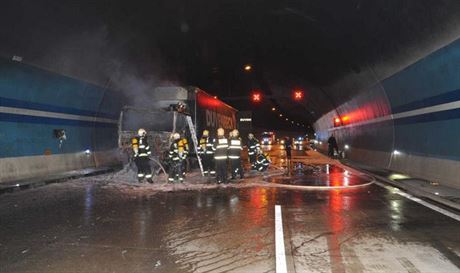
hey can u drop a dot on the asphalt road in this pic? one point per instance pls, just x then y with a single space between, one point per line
88 226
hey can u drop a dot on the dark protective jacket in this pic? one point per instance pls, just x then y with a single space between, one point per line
288 147
262 162
253 146
174 155
221 148
143 148
206 146
332 142
234 148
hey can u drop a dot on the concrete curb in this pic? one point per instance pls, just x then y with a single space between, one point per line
12 186
410 189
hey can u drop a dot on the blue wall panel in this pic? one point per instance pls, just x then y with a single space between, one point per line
434 75
429 139
28 88
424 116
24 139
38 87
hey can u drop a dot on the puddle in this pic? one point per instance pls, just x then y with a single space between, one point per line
320 175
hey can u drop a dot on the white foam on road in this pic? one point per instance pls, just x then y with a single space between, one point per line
381 255
281 266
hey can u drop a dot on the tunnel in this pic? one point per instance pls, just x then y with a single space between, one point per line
387 71
227 136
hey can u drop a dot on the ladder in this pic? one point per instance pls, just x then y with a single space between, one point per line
195 141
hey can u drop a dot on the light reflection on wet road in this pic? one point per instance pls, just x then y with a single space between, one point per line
84 227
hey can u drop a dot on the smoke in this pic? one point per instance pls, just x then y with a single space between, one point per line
108 60
84 55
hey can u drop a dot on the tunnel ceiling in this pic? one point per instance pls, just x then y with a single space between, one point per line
291 44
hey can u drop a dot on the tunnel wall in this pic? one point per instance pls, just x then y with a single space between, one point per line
416 112
35 102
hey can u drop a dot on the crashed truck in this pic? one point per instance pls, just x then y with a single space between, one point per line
186 110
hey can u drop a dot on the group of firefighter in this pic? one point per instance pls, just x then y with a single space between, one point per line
216 155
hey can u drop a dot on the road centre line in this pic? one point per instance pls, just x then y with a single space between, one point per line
281 266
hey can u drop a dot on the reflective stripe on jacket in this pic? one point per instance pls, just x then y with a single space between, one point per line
140 144
235 147
174 151
206 146
220 148
253 145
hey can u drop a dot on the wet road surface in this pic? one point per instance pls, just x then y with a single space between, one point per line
87 226
324 176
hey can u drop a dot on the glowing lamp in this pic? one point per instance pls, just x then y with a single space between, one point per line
256 97
298 95
337 122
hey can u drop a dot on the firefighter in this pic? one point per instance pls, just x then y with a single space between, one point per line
183 151
262 161
142 152
220 156
253 149
333 147
234 154
175 170
206 152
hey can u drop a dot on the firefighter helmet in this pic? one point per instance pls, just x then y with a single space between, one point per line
235 133
205 133
220 132
176 136
141 132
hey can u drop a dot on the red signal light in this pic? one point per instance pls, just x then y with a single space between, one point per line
256 97
345 120
337 122
298 95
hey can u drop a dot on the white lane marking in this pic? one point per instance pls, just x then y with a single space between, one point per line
281 266
421 202
38 113
426 110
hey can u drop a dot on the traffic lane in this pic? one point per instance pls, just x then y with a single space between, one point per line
370 230
355 226
221 230
93 229
278 155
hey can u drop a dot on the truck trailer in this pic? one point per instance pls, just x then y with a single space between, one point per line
207 111
169 108
174 109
